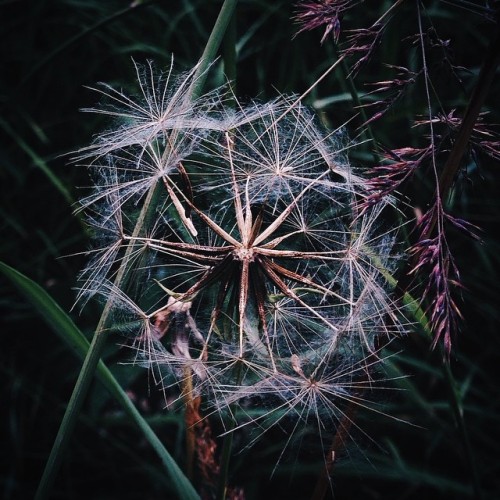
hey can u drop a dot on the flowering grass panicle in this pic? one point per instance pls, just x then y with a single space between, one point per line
451 139
255 276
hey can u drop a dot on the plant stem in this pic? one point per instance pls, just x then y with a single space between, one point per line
94 354
453 162
190 417
229 54
345 74
212 46
477 99
227 447
70 417
86 374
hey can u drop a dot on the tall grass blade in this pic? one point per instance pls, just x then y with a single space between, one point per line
99 339
70 334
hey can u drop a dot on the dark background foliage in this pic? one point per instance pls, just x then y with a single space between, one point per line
50 51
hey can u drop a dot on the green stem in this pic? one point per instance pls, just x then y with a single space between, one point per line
229 54
345 75
212 46
70 417
86 373
94 354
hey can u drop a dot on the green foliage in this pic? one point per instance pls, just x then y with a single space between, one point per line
64 327
50 52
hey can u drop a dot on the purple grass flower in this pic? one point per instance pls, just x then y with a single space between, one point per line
315 14
399 166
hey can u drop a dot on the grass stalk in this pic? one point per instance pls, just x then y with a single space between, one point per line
86 374
345 74
98 342
70 416
481 90
212 46
229 54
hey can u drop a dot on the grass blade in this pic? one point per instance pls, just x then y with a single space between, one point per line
70 334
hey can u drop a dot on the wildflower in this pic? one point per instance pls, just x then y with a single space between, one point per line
255 274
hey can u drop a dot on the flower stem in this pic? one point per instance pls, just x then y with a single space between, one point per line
227 445
98 342
212 46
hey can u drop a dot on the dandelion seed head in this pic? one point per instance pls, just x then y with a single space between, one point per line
252 273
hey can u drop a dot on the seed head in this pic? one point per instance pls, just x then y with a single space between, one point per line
255 274
328 13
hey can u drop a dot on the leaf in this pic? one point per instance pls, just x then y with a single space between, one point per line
71 335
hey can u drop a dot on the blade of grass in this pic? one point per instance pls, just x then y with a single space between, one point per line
70 334
86 373
213 44
98 341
